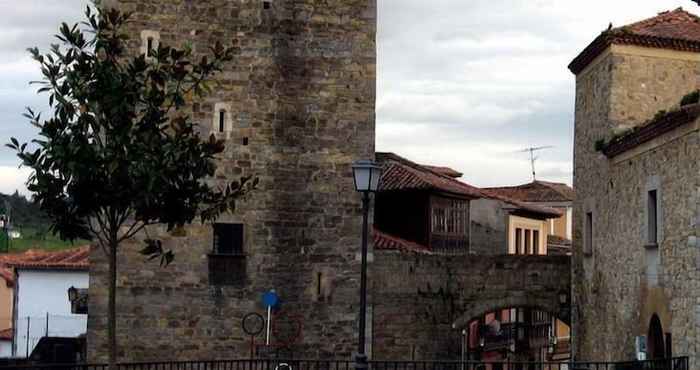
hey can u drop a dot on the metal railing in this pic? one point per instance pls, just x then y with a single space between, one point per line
680 363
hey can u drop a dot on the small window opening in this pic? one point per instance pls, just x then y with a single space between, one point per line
318 284
588 234
228 239
245 141
266 5
518 241
222 120
652 209
535 242
149 45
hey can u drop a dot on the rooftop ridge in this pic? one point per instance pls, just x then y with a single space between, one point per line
675 30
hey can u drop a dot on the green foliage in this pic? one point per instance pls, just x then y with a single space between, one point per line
691 98
39 239
600 145
23 212
659 115
117 149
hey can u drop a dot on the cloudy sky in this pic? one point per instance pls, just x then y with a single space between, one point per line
462 83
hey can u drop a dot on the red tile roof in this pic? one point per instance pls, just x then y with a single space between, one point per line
537 191
68 259
676 30
444 171
401 174
657 126
6 334
522 206
385 241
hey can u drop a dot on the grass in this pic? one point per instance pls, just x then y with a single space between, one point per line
33 239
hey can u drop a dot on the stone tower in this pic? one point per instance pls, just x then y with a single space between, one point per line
296 108
635 170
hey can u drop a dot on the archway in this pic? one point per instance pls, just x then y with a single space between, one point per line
655 339
516 333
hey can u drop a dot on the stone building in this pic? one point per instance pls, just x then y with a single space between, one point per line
636 256
296 108
456 266
448 216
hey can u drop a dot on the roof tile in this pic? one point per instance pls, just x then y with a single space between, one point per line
537 191
386 241
657 126
68 259
676 30
401 174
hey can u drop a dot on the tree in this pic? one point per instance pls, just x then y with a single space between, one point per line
118 153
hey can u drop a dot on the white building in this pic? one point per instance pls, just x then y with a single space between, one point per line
41 306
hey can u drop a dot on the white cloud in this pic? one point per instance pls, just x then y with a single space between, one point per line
466 83
13 179
462 83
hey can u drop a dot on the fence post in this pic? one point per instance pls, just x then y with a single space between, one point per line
27 349
47 325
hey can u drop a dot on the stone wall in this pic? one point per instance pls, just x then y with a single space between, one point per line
422 302
301 94
614 292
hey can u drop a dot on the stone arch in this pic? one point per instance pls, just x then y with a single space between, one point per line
548 303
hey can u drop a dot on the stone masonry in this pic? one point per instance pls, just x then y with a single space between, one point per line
623 282
299 109
422 302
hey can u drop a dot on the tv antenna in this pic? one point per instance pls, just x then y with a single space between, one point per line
533 158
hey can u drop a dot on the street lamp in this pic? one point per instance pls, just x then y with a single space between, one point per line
72 294
366 176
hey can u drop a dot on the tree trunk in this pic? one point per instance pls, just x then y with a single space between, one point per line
112 309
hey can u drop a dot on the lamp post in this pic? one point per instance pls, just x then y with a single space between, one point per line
366 176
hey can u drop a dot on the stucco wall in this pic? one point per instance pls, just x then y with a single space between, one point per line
6 303
488 227
46 292
5 348
614 296
517 222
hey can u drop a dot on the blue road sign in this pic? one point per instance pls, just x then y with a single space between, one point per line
270 299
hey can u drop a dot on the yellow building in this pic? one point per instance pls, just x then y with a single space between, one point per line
548 194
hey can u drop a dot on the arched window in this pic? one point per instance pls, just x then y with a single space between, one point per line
149 41
222 122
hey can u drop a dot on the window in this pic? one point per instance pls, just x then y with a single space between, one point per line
227 263
449 224
528 242
149 41
266 4
228 238
535 242
518 241
652 210
588 234
222 120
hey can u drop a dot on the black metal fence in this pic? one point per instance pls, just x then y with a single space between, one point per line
680 363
